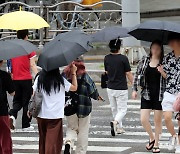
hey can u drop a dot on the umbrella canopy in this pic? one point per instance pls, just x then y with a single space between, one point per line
154 30
20 20
63 50
15 48
110 33
75 36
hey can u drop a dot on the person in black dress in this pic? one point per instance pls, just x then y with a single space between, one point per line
153 86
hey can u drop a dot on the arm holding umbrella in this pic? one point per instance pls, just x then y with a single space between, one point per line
33 65
74 78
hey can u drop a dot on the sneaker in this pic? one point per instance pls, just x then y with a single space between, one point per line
30 128
113 128
12 122
67 149
120 131
172 143
177 149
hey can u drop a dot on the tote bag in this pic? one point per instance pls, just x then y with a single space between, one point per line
90 2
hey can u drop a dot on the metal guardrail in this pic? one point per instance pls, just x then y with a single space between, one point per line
82 17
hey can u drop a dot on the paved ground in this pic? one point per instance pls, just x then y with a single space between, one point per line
100 140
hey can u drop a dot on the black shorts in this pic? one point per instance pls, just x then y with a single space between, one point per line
149 104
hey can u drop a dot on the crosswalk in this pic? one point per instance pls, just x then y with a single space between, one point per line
100 140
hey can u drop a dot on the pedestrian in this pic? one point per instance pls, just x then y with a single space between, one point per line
50 125
117 68
171 66
78 122
21 74
6 85
153 86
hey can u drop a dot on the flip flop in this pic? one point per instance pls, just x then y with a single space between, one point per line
151 145
156 150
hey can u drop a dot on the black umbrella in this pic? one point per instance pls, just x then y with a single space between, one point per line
110 33
155 30
62 51
75 36
15 48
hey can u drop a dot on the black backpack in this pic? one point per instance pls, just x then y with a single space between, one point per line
71 100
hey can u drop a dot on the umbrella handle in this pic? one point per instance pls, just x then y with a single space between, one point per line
20 8
89 44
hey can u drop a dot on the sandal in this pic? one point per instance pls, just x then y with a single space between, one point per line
156 150
151 145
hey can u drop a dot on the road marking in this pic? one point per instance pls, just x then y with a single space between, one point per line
129 106
140 133
116 140
90 148
136 127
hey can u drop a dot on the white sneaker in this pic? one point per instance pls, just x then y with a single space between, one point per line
172 143
12 122
30 128
120 131
177 149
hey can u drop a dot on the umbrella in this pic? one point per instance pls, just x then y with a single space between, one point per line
110 33
19 20
62 51
15 48
75 36
155 30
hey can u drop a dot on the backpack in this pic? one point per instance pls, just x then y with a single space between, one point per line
36 103
72 99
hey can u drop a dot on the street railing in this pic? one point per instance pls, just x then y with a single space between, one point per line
67 16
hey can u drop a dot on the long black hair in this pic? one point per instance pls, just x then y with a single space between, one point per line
49 81
159 43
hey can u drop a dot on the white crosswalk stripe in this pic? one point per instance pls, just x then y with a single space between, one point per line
100 140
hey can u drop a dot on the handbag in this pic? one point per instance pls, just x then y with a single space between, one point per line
141 81
71 103
35 103
104 80
71 100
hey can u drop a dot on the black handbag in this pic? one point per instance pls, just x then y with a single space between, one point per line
104 80
71 103
71 100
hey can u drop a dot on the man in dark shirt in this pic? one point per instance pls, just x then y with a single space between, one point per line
6 85
117 68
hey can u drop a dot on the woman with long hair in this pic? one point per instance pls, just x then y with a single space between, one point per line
78 121
152 83
53 87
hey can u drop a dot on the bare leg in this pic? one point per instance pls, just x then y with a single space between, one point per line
169 124
179 131
145 115
158 125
